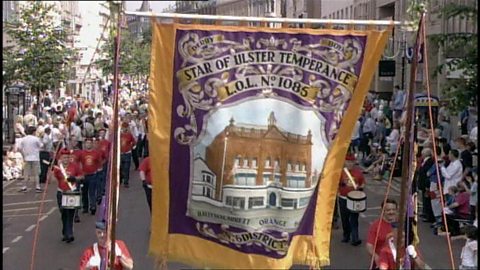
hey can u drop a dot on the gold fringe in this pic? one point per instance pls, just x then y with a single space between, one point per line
161 263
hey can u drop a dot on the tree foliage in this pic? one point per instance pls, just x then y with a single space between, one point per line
461 92
40 56
134 53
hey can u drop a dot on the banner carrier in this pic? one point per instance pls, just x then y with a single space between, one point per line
266 19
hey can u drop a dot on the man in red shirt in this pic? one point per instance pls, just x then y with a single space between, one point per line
390 217
127 141
388 254
146 177
350 219
94 256
104 146
91 160
68 175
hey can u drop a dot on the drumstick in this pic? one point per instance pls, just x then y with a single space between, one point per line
350 177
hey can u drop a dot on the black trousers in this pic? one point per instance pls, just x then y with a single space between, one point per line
427 206
145 147
140 146
349 221
148 195
136 162
44 157
453 225
67 217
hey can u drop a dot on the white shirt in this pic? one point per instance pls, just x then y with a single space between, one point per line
369 125
393 137
56 134
47 142
469 253
473 134
133 129
453 174
30 147
374 113
356 131
76 132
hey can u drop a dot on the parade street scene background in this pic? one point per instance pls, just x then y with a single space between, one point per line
240 134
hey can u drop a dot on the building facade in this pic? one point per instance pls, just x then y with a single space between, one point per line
137 25
92 36
247 155
196 7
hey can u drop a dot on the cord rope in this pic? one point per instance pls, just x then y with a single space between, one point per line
430 114
40 209
399 142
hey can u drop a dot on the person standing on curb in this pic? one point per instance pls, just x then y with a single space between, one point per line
30 147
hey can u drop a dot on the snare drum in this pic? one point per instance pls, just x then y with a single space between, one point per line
71 200
357 201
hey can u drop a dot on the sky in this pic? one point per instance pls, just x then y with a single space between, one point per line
156 6
257 111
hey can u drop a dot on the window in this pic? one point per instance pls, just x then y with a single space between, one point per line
229 200
267 163
277 177
303 167
289 166
245 179
297 167
207 178
276 163
207 192
237 161
288 203
254 163
238 202
245 162
266 177
303 201
296 181
255 202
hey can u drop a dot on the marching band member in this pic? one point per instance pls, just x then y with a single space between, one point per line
91 160
93 256
388 254
68 174
146 177
127 142
349 219
104 146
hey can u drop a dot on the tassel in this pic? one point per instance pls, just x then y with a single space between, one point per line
161 264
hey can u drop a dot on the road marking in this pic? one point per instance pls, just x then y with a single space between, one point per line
10 204
5 249
9 183
20 209
16 239
30 228
48 213
30 215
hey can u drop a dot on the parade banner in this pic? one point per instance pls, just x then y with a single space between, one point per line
248 129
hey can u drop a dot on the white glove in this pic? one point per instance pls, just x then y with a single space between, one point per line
411 251
118 251
93 262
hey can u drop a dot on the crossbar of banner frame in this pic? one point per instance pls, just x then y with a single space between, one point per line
265 19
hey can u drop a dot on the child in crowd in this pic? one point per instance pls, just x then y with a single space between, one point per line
469 251
16 159
450 198
7 165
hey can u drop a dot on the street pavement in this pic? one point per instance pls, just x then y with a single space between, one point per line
20 214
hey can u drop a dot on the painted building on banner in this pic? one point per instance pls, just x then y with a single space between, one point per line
250 167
